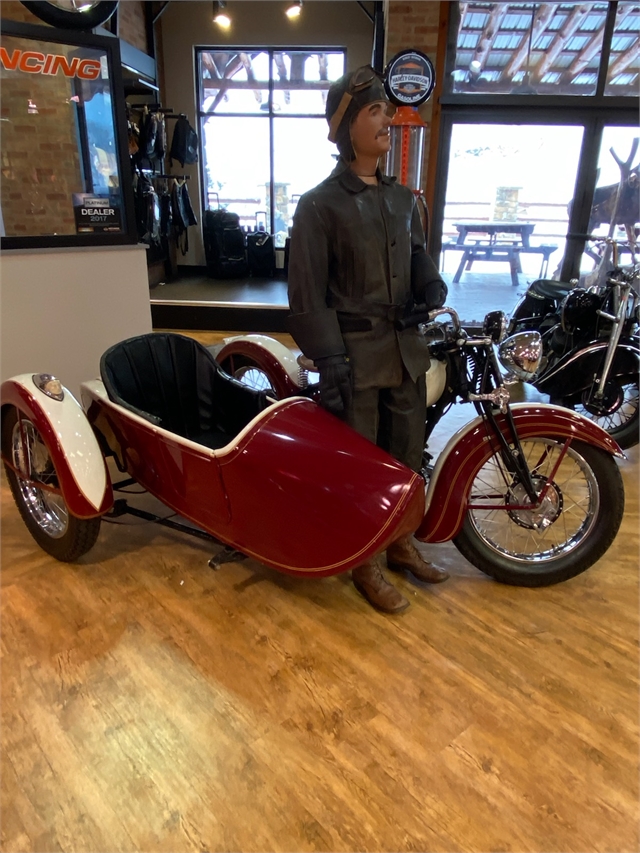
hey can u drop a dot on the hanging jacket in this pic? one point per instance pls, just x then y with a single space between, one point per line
184 143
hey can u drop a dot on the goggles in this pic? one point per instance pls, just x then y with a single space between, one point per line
361 80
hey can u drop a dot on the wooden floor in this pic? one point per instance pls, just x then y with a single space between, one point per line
151 704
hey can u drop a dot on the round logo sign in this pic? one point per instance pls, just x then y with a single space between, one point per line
410 78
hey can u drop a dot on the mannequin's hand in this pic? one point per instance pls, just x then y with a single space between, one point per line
335 383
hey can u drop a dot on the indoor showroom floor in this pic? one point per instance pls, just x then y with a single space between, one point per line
152 704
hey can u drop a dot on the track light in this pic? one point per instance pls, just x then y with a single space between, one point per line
294 9
220 17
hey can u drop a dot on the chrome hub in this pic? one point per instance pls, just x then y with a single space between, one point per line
540 516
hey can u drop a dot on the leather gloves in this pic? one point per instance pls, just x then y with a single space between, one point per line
428 287
335 383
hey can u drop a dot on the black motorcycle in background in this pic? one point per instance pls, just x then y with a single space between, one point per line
591 347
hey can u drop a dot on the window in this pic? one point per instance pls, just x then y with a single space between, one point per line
542 48
262 129
538 126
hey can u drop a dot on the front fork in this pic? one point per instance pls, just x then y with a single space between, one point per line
620 306
510 448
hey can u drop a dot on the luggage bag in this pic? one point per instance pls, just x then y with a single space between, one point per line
260 249
224 245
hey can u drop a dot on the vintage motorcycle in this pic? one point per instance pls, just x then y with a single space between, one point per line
529 493
590 347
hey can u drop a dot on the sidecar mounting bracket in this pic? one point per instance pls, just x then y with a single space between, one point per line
227 554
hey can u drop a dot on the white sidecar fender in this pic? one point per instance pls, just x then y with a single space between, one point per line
80 466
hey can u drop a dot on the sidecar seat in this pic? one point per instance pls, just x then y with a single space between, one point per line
174 382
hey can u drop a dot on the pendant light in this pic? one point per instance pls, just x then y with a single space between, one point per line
293 10
220 17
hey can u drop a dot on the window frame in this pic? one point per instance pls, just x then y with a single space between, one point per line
592 112
269 115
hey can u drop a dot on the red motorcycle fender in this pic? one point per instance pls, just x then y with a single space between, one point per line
469 449
274 358
82 472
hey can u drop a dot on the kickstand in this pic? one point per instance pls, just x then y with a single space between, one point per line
226 555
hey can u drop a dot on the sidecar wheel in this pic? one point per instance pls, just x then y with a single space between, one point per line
622 421
44 513
248 371
577 522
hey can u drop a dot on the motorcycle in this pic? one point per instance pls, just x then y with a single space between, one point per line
529 493
591 347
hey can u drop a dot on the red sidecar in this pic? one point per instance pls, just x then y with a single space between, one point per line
283 482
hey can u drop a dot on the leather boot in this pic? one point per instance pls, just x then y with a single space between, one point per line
370 583
404 556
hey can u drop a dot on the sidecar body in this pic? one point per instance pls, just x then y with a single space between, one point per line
284 482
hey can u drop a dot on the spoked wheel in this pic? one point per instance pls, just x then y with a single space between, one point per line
561 536
44 511
248 371
617 413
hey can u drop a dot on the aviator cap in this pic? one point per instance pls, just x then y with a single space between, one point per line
346 97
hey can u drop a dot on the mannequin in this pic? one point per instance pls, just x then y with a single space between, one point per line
358 263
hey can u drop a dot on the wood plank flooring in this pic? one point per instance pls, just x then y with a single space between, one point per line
152 704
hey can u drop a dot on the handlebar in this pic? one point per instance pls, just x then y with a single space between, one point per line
421 317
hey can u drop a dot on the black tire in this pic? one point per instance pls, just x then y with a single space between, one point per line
46 515
248 371
69 19
504 543
622 423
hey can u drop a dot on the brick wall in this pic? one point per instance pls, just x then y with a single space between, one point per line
131 23
11 10
40 164
420 24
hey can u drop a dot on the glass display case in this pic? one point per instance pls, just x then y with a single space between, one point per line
65 177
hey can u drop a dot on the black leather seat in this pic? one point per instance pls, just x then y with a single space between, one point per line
174 382
551 289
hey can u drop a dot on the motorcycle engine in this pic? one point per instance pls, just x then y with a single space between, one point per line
578 313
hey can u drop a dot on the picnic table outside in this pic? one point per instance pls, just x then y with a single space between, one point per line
497 241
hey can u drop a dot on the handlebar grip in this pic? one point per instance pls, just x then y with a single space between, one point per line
413 320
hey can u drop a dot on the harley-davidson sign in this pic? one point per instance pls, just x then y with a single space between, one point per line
410 78
34 62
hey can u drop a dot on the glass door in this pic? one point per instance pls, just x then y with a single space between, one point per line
508 197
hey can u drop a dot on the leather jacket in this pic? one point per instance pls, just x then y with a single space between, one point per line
357 264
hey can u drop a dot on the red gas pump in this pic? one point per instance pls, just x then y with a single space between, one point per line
409 82
405 156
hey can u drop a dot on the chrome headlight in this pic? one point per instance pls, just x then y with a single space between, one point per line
49 385
495 326
521 354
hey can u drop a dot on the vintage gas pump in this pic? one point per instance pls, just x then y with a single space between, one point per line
405 156
409 81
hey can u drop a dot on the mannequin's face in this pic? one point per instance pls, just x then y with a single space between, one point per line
370 130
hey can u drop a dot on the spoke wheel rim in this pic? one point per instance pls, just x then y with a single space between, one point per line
565 530
254 377
48 510
622 414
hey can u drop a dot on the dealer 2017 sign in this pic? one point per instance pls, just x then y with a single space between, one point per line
95 213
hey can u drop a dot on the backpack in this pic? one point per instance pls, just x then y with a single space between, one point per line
184 143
